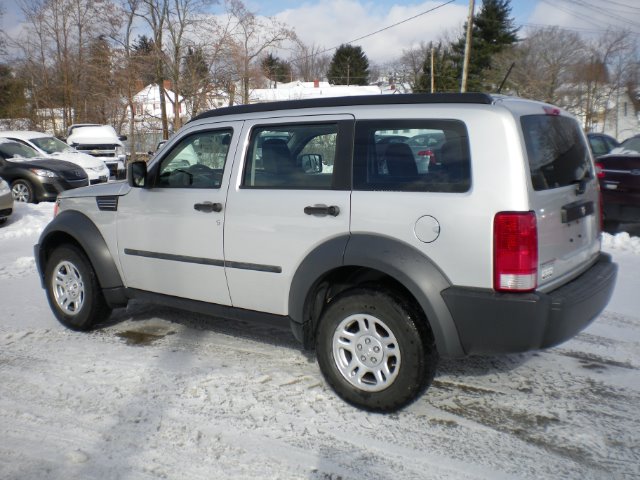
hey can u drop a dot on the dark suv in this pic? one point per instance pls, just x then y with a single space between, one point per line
619 177
35 179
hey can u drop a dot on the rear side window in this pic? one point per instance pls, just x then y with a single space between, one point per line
412 156
557 153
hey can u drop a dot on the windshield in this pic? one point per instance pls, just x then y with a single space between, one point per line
51 145
14 150
558 155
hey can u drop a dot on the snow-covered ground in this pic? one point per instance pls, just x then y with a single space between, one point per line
160 393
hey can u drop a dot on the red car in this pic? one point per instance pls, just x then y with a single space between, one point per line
619 177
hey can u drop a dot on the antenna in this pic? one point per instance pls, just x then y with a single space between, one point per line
506 76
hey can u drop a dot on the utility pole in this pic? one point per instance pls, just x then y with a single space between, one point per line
467 47
433 77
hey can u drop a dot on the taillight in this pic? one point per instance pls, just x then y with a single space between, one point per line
429 154
599 170
515 252
56 207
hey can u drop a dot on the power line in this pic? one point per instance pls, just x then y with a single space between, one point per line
385 28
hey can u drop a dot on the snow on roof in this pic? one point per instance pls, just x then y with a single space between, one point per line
303 90
151 93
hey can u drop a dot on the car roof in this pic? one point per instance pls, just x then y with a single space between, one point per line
24 134
415 98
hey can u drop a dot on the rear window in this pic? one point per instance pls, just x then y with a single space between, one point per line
558 155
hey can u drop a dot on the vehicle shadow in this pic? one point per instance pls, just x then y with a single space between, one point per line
138 312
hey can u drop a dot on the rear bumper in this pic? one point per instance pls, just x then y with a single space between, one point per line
490 322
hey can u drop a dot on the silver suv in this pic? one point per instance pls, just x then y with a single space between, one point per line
382 255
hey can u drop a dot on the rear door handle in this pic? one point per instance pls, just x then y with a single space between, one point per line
208 207
322 210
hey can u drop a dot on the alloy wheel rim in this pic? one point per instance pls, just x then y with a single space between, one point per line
68 288
20 193
366 352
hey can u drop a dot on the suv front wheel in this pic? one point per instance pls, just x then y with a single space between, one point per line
373 351
73 290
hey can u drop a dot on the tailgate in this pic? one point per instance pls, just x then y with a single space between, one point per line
565 197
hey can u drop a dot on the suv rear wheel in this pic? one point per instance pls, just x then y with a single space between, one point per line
73 290
372 350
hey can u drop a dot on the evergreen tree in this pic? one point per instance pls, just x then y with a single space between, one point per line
349 66
144 54
445 70
12 98
493 31
275 69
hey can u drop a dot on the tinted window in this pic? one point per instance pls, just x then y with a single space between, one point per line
15 150
412 155
197 161
291 156
556 150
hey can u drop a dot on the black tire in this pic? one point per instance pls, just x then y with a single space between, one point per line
377 323
22 191
73 290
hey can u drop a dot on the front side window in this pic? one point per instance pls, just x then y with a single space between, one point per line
197 161
297 156
557 153
412 156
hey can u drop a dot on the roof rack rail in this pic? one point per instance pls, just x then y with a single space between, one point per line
400 99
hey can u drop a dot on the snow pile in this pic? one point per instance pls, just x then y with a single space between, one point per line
621 242
27 220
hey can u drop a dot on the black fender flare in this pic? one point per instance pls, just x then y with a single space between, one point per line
79 227
397 259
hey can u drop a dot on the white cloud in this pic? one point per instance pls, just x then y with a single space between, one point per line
331 23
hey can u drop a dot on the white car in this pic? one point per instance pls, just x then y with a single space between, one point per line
101 142
50 147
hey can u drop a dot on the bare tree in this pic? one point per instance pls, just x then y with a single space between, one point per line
310 62
409 68
544 64
250 37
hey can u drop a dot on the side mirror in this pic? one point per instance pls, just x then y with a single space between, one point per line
122 138
311 163
137 174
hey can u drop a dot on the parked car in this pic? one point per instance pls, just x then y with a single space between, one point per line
426 149
381 268
6 201
619 176
34 178
102 142
49 146
630 145
601 144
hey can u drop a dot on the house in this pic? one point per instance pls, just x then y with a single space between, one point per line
147 103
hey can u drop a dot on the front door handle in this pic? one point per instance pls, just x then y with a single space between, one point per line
208 207
322 210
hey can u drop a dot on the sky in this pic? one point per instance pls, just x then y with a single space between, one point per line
330 23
